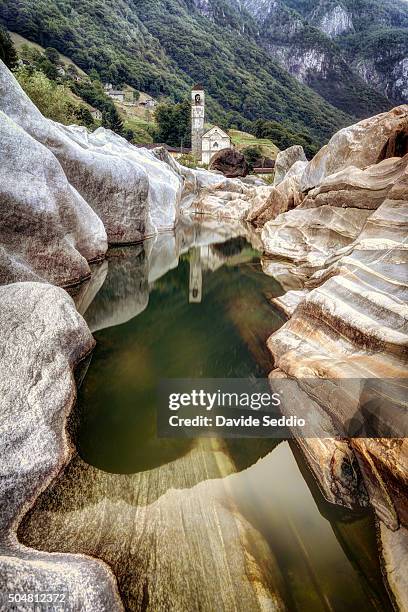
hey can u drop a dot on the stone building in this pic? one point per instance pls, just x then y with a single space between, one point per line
115 94
204 144
213 141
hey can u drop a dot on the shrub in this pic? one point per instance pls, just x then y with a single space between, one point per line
51 99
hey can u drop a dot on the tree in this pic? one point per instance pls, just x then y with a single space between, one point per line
8 53
128 134
72 71
93 75
84 116
54 101
253 156
52 54
283 137
112 121
49 69
174 123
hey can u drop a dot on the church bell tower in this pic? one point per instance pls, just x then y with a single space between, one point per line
197 120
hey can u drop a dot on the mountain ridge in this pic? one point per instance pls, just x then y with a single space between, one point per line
164 46
369 39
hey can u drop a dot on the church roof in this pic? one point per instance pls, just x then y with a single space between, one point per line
214 129
197 87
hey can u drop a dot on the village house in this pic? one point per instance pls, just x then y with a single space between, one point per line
115 94
148 103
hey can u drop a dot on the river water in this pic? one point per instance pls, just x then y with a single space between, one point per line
205 524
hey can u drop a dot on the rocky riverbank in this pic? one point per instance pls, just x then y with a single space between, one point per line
345 250
334 233
43 339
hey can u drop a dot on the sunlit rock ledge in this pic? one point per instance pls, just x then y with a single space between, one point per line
342 256
356 169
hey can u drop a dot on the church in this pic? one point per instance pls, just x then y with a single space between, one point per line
204 144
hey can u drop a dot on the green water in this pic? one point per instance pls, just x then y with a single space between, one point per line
222 335
205 313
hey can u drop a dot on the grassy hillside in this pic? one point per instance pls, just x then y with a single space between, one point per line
163 46
141 128
19 42
57 100
241 140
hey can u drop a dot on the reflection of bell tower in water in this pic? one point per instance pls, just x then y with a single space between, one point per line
196 277
197 120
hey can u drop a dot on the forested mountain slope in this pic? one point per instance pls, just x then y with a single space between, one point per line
163 46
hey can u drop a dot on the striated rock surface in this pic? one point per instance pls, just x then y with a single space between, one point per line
363 298
356 188
330 458
384 465
284 197
308 236
394 552
284 272
289 301
154 525
285 160
230 162
345 253
356 170
130 190
225 198
47 230
359 145
44 339
353 324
